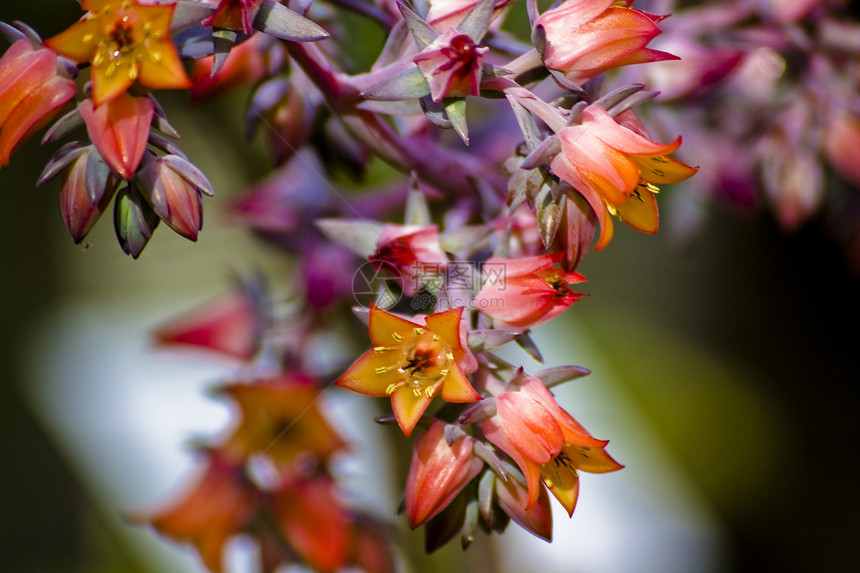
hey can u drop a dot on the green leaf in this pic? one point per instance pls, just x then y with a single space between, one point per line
279 21
408 84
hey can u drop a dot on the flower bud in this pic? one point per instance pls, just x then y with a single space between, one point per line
438 472
119 129
173 187
32 90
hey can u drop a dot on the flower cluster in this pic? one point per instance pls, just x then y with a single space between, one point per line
511 155
770 92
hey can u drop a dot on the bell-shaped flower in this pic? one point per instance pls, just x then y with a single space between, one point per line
235 15
445 13
439 471
413 251
522 293
584 38
32 91
126 41
546 442
313 521
119 129
451 64
617 169
229 325
412 362
218 506
280 418
173 187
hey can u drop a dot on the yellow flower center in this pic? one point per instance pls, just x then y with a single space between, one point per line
425 361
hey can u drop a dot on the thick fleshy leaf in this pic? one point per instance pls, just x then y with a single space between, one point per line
423 34
134 221
358 236
558 374
408 84
477 21
455 109
277 20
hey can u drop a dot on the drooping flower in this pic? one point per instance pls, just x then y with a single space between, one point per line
617 169
587 37
313 521
219 505
229 325
125 41
32 91
119 129
280 418
451 64
412 362
414 253
546 442
525 292
235 15
438 472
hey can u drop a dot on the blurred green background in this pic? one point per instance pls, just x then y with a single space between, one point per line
739 351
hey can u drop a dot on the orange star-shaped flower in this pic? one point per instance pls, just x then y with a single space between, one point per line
125 42
411 362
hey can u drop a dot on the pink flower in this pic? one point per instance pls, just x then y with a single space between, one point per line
413 251
439 472
444 13
31 93
313 521
236 15
245 64
220 505
228 325
587 37
119 128
451 64
525 292
841 142
546 442
616 168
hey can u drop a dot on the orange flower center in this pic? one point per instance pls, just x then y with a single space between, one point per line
124 41
425 361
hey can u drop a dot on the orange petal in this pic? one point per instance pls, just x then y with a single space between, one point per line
564 485
408 408
386 329
661 169
447 326
456 387
592 460
372 374
70 42
640 211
